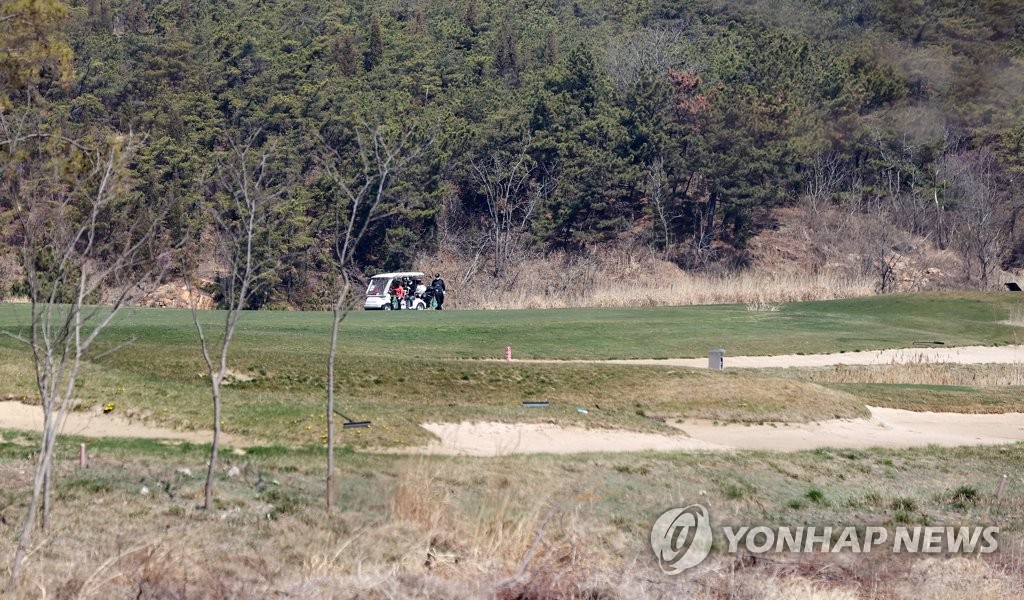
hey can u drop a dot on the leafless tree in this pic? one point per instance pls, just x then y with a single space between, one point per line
512 194
245 215
659 194
982 211
898 172
830 205
82 234
361 198
825 179
653 50
457 236
702 244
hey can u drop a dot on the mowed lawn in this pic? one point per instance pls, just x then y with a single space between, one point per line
404 368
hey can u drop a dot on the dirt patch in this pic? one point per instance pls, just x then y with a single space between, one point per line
887 428
15 415
232 376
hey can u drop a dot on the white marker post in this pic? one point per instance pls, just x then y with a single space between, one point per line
81 456
1002 485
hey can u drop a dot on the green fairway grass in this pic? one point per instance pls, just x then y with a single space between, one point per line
893 321
401 369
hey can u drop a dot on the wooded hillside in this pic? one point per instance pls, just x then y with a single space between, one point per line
526 127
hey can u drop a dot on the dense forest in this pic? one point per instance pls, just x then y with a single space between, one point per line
539 127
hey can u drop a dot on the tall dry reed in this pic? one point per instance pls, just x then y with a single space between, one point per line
989 375
623 280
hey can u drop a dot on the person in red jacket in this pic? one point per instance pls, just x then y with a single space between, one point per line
400 295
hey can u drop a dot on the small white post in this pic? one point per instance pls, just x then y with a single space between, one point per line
1002 485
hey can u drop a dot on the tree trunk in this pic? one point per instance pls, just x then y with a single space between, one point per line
30 517
212 469
44 521
499 264
709 227
338 314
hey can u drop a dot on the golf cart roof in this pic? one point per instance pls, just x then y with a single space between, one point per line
410 274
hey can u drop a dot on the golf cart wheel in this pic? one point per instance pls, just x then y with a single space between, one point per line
420 306
386 307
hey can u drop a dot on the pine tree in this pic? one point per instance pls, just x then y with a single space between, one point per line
507 54
374 45
551 53
345 55
470 17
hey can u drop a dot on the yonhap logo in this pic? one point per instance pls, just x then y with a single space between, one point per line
681 538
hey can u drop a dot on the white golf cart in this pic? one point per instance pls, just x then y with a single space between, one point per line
380 293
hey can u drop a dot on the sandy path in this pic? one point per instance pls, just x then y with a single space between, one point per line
964 355
15 415
888 428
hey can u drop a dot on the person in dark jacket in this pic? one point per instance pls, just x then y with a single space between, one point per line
439 288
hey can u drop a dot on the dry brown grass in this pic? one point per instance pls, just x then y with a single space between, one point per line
505 528
850 577
922 373
502 529
626 279
935 579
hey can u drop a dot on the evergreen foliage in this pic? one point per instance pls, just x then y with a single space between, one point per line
733 101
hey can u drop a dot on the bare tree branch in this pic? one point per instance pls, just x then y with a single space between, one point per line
244 205
74 245
362 198
512 194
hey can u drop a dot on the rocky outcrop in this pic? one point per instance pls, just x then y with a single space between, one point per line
177 295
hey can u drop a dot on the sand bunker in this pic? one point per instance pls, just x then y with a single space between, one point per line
888 428
15 415
498 439
964 355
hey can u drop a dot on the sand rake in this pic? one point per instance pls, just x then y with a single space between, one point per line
350 424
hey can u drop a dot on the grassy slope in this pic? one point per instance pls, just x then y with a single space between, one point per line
401 369
923 386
